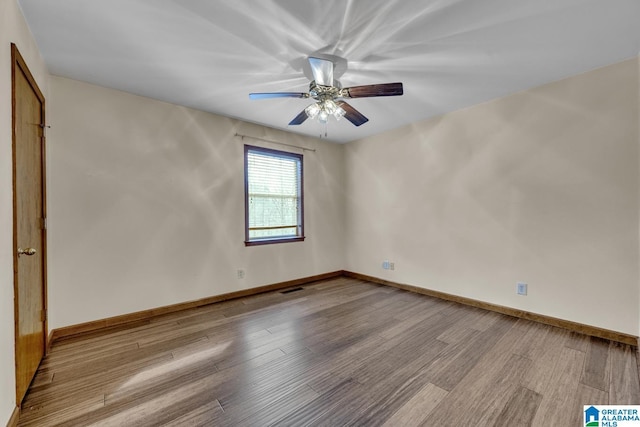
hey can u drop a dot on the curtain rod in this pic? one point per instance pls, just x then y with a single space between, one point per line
275 142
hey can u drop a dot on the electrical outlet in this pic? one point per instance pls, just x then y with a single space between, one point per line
521 288
241 273
385 265
392 266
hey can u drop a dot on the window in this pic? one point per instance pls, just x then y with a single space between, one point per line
273 196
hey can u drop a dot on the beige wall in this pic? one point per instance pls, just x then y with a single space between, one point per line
540 187
13 29
147 205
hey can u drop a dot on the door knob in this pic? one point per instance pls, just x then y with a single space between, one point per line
28 251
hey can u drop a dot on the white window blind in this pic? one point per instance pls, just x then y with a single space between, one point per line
273 195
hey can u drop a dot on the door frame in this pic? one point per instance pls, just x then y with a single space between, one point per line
18 64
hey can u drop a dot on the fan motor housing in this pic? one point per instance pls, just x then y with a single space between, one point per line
322 93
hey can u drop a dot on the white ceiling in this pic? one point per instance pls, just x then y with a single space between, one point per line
449 54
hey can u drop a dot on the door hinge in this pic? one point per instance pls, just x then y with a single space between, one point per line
43 315
44 223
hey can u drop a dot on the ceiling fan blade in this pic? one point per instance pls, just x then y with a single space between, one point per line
299 119
384 89
267 95
322 70
353 115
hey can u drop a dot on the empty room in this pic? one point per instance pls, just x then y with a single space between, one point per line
338 213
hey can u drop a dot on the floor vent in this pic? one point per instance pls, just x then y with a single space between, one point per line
288 291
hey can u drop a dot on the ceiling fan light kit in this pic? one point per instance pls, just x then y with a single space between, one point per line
328 94
323 109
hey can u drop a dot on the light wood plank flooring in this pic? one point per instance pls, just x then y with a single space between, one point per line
339 352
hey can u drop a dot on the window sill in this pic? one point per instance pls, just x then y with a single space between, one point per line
272 241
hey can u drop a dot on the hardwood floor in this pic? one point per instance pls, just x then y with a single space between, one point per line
338 352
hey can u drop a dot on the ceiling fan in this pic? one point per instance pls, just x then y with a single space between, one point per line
329 93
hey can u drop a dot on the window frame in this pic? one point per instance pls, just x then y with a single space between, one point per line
300 226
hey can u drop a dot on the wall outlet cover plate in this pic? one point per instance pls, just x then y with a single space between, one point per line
521 288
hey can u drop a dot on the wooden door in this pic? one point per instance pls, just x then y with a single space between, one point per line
29 224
